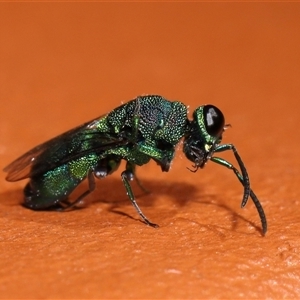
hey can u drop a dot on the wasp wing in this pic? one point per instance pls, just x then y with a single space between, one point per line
66 147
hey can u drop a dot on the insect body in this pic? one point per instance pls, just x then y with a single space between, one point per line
148 127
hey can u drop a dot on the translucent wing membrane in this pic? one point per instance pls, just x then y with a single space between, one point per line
62 149
20 168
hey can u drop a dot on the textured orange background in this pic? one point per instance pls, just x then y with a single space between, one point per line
62 64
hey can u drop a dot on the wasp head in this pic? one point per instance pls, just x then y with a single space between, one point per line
203 135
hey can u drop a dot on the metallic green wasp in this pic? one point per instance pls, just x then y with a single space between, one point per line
145 128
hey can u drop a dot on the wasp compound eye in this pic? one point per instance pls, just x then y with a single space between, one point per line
214 120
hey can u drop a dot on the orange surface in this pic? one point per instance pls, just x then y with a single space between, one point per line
62 64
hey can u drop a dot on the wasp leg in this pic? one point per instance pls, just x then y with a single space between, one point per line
255 200
130 169
107 166
126 176
245 179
